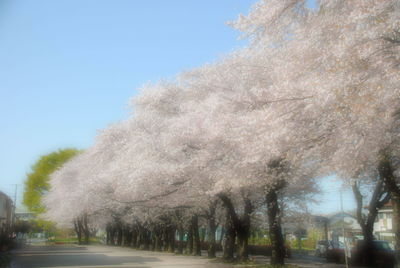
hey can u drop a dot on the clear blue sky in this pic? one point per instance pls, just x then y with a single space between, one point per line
69 67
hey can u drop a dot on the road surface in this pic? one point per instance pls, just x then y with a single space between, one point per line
96 256
101 257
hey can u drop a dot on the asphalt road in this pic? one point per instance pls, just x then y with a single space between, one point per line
101 257
35 256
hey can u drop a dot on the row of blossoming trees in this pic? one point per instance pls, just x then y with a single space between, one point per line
316 92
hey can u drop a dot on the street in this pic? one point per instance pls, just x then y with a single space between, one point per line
101 256
65 256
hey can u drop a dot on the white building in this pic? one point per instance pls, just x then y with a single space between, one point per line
335 223
383 226
343 222
6 210
23 214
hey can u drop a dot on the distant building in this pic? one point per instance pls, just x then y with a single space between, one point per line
333 225
343 221
383 226
23 214
6 212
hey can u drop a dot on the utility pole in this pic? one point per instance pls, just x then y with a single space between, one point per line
13 219
344 237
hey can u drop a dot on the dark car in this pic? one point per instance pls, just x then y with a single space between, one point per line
381 252
321 247
335 252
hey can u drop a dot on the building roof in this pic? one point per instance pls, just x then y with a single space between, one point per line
2 194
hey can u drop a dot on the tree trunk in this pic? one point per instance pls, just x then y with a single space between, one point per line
212 227
171 239
231 223
243 243
124 235
165 239
181 233
229 245
108 235
119 235
127 236
189 240
84 225
83 228
211 237
134 237
196 236
146 239
202 232
237 226
78 231
243 231
112 236
275 230
152 241
139 239
221 235
228 242
158 241
143 238
366 255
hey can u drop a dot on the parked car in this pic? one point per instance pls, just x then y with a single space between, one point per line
382 253
335 252
321 247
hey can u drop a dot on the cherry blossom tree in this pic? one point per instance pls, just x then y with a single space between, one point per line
345 57
315 92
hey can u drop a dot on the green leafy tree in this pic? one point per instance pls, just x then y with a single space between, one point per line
37 181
